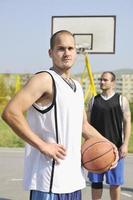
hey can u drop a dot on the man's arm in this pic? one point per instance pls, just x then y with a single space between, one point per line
126 127
13 114
90 105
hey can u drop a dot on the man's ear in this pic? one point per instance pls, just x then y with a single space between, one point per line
50 53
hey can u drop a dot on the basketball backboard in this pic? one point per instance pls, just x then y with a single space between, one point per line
93 34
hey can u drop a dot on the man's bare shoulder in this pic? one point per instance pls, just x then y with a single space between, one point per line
39 80
43 76
38 85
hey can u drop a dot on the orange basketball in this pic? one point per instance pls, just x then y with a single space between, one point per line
97 155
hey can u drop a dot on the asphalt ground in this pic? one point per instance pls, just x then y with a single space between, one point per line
11 177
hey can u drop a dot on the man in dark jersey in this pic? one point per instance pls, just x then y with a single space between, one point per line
109 113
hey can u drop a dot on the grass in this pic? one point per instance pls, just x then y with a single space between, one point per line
130 147
7 137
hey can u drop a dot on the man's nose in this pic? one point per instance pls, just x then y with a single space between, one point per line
67 51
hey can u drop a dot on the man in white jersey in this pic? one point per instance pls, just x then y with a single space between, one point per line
55 122
109 113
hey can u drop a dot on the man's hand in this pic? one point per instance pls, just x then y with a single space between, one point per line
55 151
123 150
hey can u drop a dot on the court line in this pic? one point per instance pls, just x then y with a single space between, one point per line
11 150
16 179
126 194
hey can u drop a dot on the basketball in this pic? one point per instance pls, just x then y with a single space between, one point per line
97 155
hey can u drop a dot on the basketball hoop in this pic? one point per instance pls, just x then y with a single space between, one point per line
84 43
82 49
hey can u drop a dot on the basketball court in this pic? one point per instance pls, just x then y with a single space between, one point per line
11 177
93 35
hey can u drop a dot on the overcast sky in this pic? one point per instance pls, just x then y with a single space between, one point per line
25 30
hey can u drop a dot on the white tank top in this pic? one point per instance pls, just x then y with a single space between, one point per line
41 173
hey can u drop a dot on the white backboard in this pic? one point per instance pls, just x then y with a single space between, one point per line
95 33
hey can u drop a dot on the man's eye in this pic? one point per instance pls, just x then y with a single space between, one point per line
61 49
70 48
103 79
